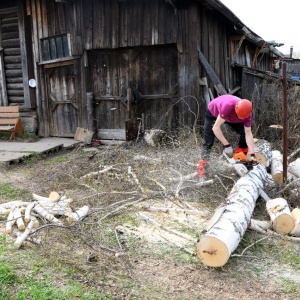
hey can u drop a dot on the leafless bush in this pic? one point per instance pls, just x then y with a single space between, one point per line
268 110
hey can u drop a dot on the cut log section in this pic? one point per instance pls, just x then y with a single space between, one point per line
296 219
277 166
263 152
280 215
78 215
294 167
216 245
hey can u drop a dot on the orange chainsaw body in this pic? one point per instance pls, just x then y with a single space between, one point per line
240 156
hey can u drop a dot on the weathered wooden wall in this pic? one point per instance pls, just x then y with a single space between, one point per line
147 45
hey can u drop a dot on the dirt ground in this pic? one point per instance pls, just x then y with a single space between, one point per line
130 257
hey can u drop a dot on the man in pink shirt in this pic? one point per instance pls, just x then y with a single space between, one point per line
235 112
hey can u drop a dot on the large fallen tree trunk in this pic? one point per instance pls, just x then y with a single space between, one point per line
216 245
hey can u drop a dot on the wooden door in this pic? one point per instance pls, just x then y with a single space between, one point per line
62 100
109 77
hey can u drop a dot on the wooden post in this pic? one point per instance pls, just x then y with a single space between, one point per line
284 121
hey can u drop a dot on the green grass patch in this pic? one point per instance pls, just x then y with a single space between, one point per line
10 192
32 281
56 160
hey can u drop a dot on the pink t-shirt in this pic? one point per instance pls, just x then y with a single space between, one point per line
225 107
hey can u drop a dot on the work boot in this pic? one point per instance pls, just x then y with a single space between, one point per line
203 168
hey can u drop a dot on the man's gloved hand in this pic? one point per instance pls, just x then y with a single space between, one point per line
227 149
203 168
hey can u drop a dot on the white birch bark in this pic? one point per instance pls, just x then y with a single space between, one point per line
19 219
4 211
277 166
28 210
280 215
263 152
216 245
78 215
294 167
10 221
44 213
22 237
17 203
296 219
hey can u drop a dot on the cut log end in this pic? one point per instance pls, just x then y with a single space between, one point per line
261 158
283 224
54 196
212 252
278 178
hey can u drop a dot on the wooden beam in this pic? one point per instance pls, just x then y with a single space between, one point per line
211 74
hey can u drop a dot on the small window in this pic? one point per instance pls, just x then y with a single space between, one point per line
55 47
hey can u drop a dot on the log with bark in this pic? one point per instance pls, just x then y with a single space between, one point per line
296 219
263 152
277 166
216 245
294 167
280 215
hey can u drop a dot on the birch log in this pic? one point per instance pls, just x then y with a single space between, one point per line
19 219
77 215
263 152
294 167
277 166
28 210
44 213
296 219
22 237
10 221
216 245
280 215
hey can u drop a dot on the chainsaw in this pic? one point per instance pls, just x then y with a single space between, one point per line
240 163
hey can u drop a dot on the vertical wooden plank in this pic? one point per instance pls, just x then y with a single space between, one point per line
24 54
146 21
97 32
107 23
87 27
35 31
155 22
123 24
3 98
115 15
44 19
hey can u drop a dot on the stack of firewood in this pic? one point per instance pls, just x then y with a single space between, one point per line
22 217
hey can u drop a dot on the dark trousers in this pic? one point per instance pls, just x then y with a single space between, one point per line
209 136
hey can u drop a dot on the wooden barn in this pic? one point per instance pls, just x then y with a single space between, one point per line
110 66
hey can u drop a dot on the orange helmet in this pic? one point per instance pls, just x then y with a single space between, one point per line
243 108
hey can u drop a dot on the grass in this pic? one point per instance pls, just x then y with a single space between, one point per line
10 192
34 282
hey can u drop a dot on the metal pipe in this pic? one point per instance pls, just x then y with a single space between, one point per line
284 121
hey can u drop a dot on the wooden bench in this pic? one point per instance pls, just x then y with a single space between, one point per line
10 121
